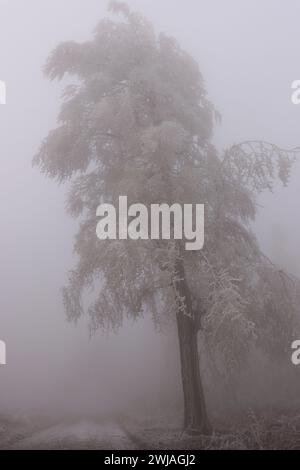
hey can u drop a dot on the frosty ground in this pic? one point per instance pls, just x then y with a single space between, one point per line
280 430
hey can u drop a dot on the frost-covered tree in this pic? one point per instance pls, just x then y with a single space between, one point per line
138 122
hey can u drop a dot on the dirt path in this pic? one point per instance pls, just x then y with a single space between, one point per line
80 435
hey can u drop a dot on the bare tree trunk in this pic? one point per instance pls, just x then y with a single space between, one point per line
195 415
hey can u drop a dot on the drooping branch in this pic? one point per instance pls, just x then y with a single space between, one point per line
257 164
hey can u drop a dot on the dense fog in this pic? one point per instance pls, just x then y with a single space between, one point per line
248 54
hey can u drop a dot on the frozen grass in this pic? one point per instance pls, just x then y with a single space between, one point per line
16 428
260 431
13 429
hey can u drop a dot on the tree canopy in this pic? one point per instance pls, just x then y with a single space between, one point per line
137 121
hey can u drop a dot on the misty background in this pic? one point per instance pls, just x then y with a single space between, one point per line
248 53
